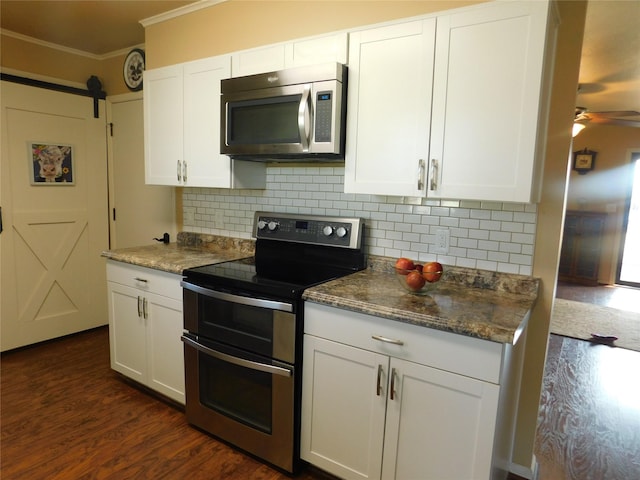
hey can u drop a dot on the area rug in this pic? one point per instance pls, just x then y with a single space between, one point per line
581 320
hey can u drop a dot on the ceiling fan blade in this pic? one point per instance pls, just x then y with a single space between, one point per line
603 120
616 114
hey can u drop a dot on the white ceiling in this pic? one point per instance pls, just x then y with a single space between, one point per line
609 72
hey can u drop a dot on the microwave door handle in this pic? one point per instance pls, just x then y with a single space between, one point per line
304 117
241 362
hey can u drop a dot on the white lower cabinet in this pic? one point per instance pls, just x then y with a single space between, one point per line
388 407
145 326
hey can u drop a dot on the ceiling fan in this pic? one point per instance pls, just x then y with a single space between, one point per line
617 117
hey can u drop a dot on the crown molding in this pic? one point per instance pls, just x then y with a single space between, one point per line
178 12
62 48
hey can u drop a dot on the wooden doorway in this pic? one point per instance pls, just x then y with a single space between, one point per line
138 212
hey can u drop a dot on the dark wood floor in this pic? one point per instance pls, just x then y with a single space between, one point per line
589 417
66 415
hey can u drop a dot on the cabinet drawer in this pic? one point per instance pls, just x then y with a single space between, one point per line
459 354
145 279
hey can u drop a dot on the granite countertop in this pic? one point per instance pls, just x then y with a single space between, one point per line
476 303
191 250
486 305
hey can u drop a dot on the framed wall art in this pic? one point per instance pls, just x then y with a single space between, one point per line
584 161
52 164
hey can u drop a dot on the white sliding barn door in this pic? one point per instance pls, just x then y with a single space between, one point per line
53 277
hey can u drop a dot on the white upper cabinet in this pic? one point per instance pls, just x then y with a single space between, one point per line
489 107
389 108
308 51
480 135
163 125
182 128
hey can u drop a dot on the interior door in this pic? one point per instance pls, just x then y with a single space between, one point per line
138 212
53 276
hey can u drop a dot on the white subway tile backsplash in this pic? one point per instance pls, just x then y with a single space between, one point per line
486 235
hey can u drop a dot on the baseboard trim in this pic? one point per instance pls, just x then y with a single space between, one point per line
520 472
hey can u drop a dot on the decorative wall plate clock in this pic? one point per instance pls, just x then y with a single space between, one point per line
133 68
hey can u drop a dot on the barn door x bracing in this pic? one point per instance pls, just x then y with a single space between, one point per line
53 278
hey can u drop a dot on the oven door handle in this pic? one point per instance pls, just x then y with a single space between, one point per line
241 362
252 302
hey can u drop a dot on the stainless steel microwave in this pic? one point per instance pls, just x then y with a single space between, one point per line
297 114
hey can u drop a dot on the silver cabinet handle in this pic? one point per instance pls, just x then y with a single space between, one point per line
139 306
241 362
303 118
145 312
379 383
433 183
421 171
393 341
392 388
184 171
138 279
179 171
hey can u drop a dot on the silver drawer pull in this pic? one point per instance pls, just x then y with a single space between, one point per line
138 279
393 341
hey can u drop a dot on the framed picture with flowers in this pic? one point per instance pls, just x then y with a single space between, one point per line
52 164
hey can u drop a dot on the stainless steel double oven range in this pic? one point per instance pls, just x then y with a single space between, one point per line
244 329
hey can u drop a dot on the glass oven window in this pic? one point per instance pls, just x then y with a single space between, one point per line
244 326
237 392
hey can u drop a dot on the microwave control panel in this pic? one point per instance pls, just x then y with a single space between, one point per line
324 116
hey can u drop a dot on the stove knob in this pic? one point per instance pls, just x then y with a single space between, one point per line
341 232
272 226
327 231
261 224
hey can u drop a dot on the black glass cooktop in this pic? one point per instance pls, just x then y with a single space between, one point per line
278 270
284 279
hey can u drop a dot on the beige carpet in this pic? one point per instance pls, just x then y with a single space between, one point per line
580 320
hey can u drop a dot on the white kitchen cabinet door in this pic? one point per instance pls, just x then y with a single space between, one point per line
163 125
164 348
316 50
439 425
182 129
258 60
205 165
127 331
342 409
389 109
145 326
299 53
487 101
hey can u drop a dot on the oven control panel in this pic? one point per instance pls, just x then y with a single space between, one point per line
313 229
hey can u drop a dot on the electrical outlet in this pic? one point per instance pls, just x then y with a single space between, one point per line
442 241
188 218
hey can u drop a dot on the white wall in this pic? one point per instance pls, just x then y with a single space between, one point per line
486 235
